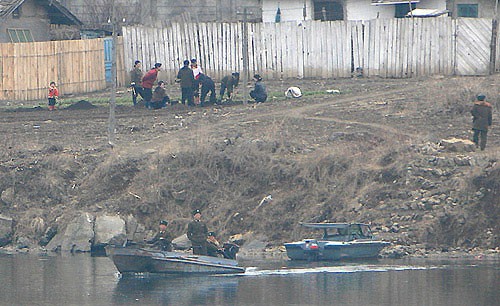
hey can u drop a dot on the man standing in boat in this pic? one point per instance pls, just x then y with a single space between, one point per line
162 239
197 233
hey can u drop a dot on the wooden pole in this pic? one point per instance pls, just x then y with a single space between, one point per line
494 38
112 100
245 57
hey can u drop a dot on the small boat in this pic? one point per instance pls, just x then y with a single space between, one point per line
129 260
339 241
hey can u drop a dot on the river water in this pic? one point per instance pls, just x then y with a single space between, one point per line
86 280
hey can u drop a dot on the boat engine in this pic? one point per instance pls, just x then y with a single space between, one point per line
311 249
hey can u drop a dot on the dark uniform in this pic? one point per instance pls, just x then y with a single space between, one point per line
162 240
197 233
213 246
187 81
482 119
136 82
207 86
259 93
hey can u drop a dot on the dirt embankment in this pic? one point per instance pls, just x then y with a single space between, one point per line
369 154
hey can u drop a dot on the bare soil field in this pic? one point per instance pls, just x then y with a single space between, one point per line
368 154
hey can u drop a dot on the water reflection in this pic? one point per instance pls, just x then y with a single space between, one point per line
84 280
176 290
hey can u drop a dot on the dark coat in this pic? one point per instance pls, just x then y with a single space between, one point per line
136 76
159 94
186 77
197 231
230 82
207 82
163 240
481 116
259 93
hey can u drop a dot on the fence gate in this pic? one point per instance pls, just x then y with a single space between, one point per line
108 57
473 39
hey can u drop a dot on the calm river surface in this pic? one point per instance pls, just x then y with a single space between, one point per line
85 280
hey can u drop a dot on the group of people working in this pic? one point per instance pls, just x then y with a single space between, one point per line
203 242
192 80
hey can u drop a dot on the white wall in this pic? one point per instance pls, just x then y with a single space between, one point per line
432 4
363 10
291 10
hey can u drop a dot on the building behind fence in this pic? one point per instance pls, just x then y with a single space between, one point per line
77 66
396 48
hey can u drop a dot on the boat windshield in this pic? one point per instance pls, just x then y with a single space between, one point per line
353 231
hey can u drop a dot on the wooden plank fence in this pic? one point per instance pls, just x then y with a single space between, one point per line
26 69
395 48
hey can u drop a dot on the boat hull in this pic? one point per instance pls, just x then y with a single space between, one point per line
334 250
132 261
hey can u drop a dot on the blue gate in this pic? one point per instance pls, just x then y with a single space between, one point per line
108 57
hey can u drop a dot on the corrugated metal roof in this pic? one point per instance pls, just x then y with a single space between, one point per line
7 6
61 15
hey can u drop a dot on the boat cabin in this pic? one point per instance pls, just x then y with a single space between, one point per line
342 231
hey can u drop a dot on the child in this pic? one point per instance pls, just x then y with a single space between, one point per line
53 95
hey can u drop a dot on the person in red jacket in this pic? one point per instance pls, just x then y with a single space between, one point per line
53 95
148 81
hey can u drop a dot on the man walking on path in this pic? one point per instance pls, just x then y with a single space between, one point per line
481 120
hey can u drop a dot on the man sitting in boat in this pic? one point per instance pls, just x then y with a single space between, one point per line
197 233
214 248
217 249
162 239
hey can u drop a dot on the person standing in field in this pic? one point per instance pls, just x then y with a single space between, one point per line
148 81
186 79
481 120
196 74
136 81
53 96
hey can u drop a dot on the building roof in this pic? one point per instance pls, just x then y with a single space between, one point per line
392 2
57 13
426 13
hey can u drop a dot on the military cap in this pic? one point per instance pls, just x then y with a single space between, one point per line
481 97
196 211
163 222
211 234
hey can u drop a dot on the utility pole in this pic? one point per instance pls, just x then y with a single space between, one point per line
494 37
112 100
244 81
